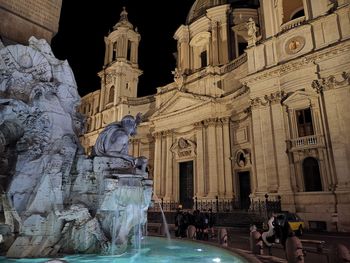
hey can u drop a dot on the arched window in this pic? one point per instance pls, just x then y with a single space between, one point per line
311 172
111 95
297 14
292 10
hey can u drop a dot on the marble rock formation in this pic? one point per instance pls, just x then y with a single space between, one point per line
48 185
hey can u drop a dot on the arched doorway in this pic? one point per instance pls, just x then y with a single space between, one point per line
311 173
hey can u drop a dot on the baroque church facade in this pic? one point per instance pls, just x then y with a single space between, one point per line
259 105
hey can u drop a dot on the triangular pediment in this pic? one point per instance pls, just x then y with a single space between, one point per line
181 101
298 97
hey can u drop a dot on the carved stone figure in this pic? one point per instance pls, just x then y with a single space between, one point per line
81 233
251 32
113 141
51 187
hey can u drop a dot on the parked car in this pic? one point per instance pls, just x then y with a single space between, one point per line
295 222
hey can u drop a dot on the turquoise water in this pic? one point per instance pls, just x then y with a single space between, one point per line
155 250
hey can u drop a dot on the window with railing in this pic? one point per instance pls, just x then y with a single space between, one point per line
304 122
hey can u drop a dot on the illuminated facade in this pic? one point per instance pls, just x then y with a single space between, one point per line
259 104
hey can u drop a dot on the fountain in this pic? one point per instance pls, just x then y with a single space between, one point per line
56 200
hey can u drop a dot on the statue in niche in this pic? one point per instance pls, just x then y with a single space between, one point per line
113 141
251 32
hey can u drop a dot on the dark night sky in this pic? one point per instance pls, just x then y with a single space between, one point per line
83 25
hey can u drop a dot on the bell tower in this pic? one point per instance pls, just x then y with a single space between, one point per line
120 74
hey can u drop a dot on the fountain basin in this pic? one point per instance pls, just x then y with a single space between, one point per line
153 250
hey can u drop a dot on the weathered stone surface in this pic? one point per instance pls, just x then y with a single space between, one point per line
53 187
21 19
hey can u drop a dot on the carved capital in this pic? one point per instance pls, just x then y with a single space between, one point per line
157 135
257 102
225 120
275 97
198 125
211 121
168 133
330 82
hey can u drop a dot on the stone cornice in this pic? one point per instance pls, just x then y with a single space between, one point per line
297 63
272 98
331 82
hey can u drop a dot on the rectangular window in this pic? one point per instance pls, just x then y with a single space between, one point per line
204 61
304 122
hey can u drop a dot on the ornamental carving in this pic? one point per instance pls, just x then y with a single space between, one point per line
275 97
242 158
294 45
331 82
272 98
109 78
184 148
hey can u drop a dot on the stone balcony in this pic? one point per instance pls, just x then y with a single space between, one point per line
293 23
307 142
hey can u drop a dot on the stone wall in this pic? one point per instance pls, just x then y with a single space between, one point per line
21 19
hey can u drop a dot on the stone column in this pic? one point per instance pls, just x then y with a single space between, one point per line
134 51
220 159
200 162
163 165
212 158
136 147
169 180
157 164
336 110
223 42
106 51
271 11
124 50
261 177
227 156
110 51
214 42
184 59
280 138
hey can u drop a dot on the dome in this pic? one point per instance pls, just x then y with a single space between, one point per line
199 7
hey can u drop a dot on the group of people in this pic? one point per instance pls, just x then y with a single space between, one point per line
202 221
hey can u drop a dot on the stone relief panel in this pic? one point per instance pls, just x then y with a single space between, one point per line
294 45
241 135
184 148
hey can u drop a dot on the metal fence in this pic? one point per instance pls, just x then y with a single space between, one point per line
261 207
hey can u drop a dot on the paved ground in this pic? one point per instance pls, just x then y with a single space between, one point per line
239 240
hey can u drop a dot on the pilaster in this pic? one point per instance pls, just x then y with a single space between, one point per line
157 164
212 157
227 161
200 161
169 179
